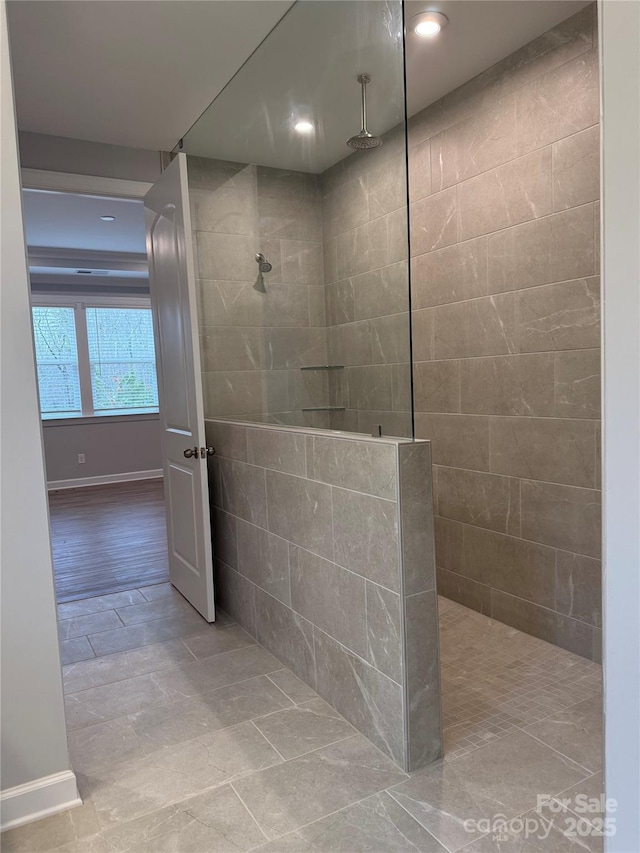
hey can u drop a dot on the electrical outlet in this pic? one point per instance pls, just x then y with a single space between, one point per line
80 458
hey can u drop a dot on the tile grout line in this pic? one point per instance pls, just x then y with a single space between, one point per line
177 667
587 771
379 792
293 704
150 671
251 814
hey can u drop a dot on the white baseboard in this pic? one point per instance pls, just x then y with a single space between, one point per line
40 798
128 476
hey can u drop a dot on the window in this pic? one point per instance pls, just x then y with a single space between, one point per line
122 358
95 360
57 359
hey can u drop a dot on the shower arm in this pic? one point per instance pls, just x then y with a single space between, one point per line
363 79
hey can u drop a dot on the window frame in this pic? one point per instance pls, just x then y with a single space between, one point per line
55 300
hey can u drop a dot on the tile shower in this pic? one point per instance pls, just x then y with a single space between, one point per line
501 378
324 551
323 339
504 178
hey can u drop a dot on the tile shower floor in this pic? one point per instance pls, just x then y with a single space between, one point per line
190 738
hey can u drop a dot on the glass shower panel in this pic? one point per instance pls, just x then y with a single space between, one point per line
301 242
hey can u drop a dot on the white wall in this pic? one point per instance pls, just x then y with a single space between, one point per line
59 154
111 446
35 765
620 47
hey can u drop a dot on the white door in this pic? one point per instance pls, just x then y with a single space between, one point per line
172 281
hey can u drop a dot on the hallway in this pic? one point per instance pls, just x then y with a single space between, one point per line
108 538
195 739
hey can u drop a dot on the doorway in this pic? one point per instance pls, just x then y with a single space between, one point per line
94 347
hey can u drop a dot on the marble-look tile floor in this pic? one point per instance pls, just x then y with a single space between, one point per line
191 738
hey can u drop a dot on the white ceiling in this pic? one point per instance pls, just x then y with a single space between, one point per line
71 221
140 72
308 68
294 74
66 238
479 34
135 73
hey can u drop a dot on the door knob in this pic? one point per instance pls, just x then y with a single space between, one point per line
207 451
191 451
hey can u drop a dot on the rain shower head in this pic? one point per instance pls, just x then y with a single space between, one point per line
364 141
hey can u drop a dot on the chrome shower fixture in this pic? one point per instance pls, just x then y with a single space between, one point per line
364 140
263 263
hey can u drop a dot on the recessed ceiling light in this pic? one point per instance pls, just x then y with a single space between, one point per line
428 24
304 126
108 218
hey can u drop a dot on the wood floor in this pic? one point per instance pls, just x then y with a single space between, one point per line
108 538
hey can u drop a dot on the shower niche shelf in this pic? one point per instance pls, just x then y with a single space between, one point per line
324 367
324 409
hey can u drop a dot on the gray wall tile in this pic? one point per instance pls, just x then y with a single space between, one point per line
350 344
563 516
448 537
420 170
558 103
369 387
416 517
560 316
436 386
281 451
236 596
516 192
390 339
506 332
434 222
232 348
340 301
553 627
229 440
369 700
288 597
286 634
358 465
465 591
508 385
484 500
423 325
556 450
329 597
450 275
244 491
300 511
481 142
225 257
381 292
579 587
576 169
423 679
301 262
577 384
487 326
225 537
555 248
384 630
458 441
512 565
365 532
238 303
264 559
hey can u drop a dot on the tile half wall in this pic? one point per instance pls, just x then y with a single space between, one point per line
324 552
